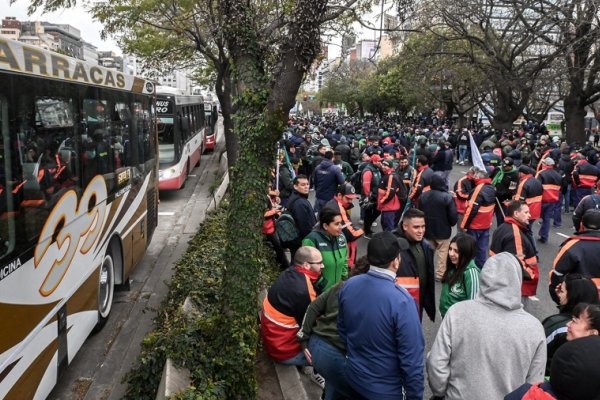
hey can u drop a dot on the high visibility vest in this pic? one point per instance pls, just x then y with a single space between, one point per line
412 286
534 203
529 265
485 214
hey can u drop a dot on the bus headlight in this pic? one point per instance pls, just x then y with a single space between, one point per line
167 173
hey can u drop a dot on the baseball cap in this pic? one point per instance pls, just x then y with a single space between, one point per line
388 164
548 161
508 162
375 158
384 247
347 190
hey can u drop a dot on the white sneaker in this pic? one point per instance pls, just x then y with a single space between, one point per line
318 379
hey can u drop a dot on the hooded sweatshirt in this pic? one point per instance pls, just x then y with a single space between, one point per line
487 347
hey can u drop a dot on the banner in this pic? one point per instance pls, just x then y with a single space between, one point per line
475 155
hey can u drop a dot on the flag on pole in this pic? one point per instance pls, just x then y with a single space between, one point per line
475 155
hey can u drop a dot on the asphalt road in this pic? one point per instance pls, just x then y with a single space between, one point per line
97 370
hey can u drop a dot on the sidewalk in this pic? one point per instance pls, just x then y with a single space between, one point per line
295 385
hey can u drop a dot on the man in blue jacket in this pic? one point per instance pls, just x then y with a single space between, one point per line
379 324
327 177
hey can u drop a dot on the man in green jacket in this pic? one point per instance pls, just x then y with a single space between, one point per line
330 241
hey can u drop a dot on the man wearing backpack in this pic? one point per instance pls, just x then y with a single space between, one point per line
302 211
388 199
371 177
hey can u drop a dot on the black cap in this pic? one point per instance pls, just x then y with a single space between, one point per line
507 162
388 164
384 247
524 169
348 190
591 219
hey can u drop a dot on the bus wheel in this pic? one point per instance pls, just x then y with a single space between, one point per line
187 172
106 290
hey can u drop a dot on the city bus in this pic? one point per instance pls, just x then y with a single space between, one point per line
181 127
78 205
211 115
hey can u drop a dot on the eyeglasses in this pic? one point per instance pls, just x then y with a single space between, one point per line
315 262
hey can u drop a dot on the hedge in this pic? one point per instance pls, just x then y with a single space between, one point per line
194 341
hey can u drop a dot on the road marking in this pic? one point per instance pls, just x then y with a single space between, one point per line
192 175
562 234
166 213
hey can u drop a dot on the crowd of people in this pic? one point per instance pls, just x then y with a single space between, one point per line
353 321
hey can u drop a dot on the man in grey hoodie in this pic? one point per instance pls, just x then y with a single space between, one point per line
488 347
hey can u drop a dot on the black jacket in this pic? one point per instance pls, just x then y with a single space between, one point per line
440 210
442 160
345 151
408 267
303 213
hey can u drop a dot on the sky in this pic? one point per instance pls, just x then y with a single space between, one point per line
90 29
76 17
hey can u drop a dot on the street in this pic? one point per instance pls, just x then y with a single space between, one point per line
98 369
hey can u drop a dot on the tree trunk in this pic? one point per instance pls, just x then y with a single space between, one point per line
461 120
574 118
504 120
223 88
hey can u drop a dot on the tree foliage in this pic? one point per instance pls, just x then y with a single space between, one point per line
260 51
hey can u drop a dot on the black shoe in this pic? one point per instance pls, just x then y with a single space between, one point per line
542 240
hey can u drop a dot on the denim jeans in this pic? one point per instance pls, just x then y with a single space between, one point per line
299 360
547 213
558 210
568 198
388 220
482 240
330 362
580 193
462 152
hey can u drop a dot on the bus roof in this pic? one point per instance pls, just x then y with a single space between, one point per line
180 99
21 58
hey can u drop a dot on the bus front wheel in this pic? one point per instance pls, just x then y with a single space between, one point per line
106 289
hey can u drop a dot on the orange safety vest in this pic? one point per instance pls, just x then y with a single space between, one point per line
415 187
567 245
534 203
485 214
529 265
551 193
412 286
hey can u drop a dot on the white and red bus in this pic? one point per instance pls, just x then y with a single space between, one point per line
78 205
211 115
181 127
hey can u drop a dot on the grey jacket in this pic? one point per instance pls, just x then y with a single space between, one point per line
488 347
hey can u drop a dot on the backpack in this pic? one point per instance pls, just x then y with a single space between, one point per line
286 228
356 181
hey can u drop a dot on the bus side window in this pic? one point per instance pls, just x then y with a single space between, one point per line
7 212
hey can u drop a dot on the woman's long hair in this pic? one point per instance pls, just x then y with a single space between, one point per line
466 252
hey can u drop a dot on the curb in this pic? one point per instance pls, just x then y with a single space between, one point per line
290 382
